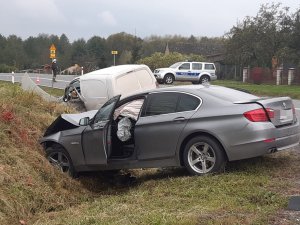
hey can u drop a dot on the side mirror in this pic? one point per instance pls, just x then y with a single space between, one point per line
84 121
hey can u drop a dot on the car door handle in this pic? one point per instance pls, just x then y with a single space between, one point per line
179 119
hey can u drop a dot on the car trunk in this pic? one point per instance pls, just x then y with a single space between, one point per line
282 107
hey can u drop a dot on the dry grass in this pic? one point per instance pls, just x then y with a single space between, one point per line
28 185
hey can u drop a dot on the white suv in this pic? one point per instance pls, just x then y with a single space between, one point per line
196 72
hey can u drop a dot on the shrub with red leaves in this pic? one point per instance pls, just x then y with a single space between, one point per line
7 116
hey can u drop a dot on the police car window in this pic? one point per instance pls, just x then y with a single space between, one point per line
187 103
196 66
161 103
184 66
209 67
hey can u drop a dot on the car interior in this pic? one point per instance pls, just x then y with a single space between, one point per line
122 129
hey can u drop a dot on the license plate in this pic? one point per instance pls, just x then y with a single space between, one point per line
286 115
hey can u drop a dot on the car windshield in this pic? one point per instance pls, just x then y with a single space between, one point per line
175 65
105 111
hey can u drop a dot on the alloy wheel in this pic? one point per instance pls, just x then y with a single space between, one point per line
201 157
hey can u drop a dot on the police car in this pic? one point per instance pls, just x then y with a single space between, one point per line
196 72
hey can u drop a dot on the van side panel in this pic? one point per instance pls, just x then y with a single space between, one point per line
145 79
127 84
94 93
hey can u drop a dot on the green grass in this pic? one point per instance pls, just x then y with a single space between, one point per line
53 91
292 91
252 191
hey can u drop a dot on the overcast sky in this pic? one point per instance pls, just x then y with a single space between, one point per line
86 18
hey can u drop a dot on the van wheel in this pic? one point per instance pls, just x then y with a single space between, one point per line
169 79
204 79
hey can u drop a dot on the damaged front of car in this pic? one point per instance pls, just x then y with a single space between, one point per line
62 141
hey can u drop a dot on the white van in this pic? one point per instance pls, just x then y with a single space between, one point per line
96 87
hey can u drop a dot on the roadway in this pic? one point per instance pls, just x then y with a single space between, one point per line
41 79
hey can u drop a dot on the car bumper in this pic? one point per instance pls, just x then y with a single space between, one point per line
264 139
158 76
213 77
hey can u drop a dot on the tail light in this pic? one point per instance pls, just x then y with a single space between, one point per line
260 115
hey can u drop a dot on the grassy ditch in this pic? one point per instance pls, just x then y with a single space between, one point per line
53 91
252 191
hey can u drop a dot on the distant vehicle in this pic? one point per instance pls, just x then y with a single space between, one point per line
95 88
196 72
199 127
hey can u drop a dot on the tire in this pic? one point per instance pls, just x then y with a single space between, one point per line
203 155
60 158
204 79
168 79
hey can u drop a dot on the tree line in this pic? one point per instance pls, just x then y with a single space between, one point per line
95 53
269 39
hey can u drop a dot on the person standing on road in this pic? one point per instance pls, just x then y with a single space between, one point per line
54 69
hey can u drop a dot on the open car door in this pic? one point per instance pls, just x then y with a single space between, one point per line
96 137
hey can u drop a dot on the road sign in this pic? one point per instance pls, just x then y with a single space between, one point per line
52 51
114 52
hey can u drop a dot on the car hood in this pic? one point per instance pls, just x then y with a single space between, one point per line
68 121
162 69
74 118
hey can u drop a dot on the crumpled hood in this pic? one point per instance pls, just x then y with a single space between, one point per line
67 121
74 118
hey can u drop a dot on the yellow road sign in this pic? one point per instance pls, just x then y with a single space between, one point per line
52 51
114 52
52 47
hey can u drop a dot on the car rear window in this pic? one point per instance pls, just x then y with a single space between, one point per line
209 66
228 94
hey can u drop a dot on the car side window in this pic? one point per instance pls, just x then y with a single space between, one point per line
184 66
209 67
196 66
187 103
161 103
105 111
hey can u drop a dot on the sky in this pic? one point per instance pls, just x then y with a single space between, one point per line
87 18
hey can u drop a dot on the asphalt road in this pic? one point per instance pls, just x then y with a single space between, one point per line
41 79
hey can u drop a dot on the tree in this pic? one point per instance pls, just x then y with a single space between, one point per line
256 40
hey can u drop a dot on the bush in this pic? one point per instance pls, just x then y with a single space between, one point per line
7 69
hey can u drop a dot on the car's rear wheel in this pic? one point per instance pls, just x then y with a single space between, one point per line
204 79
203 155
168 79
60 159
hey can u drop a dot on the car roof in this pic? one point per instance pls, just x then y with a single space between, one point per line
113 71
214 91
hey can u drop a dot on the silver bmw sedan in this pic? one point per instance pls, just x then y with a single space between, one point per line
199 127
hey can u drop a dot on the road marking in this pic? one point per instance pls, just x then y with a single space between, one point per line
297 108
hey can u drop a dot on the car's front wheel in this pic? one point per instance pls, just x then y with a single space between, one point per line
60 159
203 155
168 79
